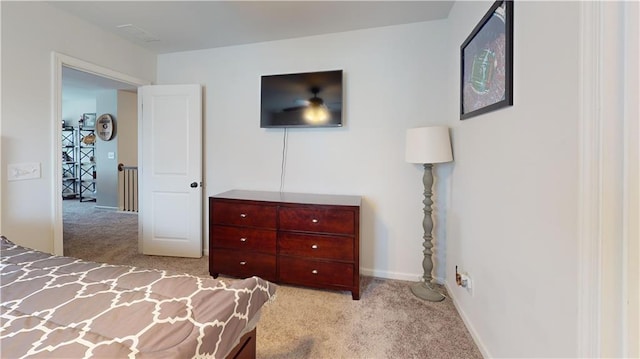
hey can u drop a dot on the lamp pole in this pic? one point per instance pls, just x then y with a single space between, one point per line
424 289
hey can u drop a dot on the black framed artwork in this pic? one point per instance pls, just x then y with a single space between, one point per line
486 63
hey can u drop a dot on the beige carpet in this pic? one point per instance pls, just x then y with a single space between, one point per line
387 322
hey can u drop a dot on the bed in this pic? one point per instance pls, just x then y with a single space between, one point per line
62 307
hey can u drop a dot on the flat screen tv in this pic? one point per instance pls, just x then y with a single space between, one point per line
310 99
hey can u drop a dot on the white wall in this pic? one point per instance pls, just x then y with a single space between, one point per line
127 131
73 109
393 80
514 200
127 128
30 32
107 168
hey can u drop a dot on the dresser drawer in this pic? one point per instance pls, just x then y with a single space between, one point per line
320 220
243 214
314 272
249 239
325 247
242 264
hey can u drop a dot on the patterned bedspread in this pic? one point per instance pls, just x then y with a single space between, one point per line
61 307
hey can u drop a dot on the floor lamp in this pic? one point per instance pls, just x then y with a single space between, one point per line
428 145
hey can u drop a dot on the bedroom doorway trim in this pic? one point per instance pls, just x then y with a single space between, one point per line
59 61
589 216
608 238
631 183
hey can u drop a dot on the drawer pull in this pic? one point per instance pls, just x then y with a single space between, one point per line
243 239
243 215
243 263
315 271
314 246
314 220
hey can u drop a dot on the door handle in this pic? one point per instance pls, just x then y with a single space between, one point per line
194 185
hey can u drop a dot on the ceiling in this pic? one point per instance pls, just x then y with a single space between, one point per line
173 26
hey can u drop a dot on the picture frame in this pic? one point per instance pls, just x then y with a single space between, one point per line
486 63
89 120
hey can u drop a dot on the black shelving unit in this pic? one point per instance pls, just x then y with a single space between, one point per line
86 165
69 167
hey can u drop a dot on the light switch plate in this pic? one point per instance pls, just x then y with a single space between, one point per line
23 171
111 155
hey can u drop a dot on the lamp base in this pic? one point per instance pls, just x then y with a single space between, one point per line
424 291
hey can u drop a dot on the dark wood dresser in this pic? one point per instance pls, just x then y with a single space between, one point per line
295 238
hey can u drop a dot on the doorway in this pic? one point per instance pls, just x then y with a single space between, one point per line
75 75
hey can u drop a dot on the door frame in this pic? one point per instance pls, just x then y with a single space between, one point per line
608 245
58 61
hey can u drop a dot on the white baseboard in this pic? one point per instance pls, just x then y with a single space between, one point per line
467 323
107 207
411 277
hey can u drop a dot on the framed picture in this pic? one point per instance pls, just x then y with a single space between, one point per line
89 120
486 63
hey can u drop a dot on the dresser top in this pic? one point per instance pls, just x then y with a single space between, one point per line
289 197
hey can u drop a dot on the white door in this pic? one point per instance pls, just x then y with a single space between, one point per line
171 170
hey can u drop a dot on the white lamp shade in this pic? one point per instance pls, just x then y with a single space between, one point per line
428 145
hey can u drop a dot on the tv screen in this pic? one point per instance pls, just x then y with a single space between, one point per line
310 99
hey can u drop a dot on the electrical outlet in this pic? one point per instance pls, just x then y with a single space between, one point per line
464 280
467 283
